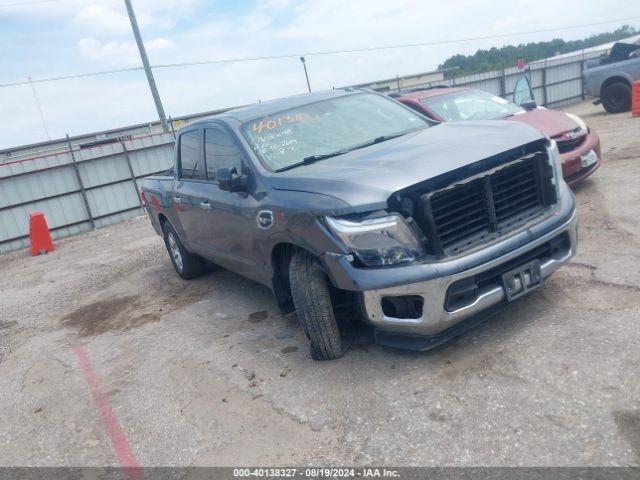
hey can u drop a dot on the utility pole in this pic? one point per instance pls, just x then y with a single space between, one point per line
147 67
305 73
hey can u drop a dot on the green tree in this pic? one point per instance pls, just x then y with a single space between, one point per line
497 58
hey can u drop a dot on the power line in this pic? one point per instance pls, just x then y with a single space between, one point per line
68 77
318 53
388 47
26 4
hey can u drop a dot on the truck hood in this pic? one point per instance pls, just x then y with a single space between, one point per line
367 177
551 122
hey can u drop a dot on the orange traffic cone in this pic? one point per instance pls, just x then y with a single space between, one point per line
635 99
39 235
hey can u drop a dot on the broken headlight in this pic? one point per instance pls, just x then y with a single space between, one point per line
380 241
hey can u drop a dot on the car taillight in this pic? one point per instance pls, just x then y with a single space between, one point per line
143 198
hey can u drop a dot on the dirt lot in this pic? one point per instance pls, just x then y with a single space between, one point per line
106 356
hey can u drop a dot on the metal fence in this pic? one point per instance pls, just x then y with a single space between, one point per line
79 189
555 82
83 188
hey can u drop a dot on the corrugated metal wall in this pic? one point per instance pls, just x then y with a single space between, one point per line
107 176
555 82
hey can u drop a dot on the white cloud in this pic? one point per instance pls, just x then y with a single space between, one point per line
103 19
113 52
120 53
274 4
97 35
160 44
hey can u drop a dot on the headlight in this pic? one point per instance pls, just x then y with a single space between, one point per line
556 164
388 240
579 121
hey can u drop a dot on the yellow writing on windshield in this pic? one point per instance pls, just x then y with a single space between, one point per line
270 124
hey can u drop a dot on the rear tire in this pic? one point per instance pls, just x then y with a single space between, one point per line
312 300
187 265
616 98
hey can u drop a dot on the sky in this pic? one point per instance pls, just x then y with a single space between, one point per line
41 40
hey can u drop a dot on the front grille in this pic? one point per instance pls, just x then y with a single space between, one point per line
481 208
565 146
460 212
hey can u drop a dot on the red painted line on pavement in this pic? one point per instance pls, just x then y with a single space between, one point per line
119 440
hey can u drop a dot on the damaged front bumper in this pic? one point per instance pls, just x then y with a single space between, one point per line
421 306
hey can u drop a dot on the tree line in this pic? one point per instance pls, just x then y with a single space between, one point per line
507 56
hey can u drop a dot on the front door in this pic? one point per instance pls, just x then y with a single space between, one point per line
188 192
228 222
523 93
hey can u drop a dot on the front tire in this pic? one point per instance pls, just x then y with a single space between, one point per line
312 300
616 98
187 265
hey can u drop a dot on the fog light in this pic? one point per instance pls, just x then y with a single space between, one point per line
405 306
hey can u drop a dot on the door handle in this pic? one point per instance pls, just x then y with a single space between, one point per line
205 205
177 200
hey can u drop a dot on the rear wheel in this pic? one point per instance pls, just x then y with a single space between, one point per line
616 97
188 265
312 297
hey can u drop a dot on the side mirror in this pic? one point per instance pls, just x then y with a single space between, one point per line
229 180
529 105
223 177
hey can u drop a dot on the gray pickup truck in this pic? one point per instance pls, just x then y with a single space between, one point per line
348 205
611 77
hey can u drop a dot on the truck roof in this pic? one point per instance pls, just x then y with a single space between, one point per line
255 110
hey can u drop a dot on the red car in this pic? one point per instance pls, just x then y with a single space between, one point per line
579 146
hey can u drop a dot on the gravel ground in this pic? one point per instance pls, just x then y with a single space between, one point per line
208 372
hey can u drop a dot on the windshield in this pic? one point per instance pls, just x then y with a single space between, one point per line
288 138
470 105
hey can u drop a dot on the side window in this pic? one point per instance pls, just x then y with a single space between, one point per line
190 155
220 152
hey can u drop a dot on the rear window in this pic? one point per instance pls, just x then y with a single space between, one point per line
287 138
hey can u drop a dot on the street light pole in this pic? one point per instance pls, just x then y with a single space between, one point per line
305 73
147 67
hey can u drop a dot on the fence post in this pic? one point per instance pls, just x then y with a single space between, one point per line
80 184
582 62
133 176
503 84
544 84
173 130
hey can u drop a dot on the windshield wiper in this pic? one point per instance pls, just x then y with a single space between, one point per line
315 158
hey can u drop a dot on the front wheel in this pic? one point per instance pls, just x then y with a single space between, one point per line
312 300
187 265
616 98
